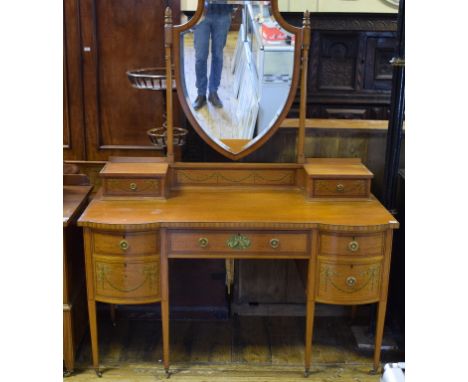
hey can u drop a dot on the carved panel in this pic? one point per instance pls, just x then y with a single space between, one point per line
378 72
337 65
355 23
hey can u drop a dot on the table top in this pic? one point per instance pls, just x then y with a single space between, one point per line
240 208
74 197
150 169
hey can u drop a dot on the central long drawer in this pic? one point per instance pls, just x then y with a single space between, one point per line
235 243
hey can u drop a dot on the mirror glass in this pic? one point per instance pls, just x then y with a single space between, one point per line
236 68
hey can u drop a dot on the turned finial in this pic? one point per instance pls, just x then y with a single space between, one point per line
306 19
168 27
306 29
168 16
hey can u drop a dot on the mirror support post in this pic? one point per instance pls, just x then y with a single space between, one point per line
303 82
169 90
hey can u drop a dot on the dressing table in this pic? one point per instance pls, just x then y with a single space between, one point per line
150 210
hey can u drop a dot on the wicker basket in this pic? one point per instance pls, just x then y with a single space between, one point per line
149 78
158 136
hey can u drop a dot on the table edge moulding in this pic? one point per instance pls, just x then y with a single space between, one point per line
316 209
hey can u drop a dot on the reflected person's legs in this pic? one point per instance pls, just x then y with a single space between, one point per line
201 43
220 28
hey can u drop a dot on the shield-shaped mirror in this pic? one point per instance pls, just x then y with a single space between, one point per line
236 65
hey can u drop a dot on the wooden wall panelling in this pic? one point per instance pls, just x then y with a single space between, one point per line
119 35
73 118
337 144
198 289
281 282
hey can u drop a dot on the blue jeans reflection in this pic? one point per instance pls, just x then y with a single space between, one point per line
216 25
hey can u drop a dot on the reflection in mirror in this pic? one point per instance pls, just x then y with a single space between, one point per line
236 75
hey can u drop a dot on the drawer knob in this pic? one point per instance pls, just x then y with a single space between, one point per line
124 245
340 187
353 246
203 242
351 281
274 243
133 186
238 241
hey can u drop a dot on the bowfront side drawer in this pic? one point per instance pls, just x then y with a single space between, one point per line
122 280
237 242
133 187
348 244
358 188
106 243
349 281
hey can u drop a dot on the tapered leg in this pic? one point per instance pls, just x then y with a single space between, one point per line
165 302
308 336
68 351
94 335
382 304
382 307
310 309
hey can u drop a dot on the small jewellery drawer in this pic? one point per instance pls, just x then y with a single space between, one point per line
134 243
348 281
339 244
117 278
133 187
358 188
266 242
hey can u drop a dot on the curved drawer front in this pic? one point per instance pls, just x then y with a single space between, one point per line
339 244
357 188
238 242
146 243
127 280
348 282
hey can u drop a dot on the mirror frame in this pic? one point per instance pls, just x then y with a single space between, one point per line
178 30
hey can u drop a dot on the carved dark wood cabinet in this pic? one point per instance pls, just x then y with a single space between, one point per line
350 72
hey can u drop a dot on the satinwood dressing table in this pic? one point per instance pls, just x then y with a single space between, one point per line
150 210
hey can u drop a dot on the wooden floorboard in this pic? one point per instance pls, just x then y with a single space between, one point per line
239 349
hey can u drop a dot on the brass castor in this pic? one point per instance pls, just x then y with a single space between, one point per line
168 374
99 373
67 373
306 373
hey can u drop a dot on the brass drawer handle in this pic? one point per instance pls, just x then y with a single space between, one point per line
238 241
203 242
133 186
274 243
351 281
340 187
124 245
353 246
